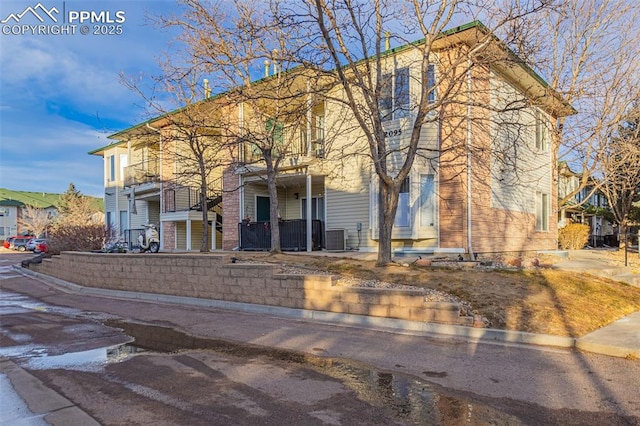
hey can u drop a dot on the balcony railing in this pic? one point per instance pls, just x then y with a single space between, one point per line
293 235
182 198
300 149
141 173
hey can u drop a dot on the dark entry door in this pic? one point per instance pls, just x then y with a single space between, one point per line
262 209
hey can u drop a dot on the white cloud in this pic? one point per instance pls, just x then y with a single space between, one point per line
55 87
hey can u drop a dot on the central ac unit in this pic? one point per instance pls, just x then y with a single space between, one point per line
336 239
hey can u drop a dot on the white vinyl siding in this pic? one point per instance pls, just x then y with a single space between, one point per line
345 210
141 218
518 167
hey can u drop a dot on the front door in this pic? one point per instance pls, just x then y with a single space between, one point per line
262 209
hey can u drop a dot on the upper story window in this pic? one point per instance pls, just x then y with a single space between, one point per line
541 132
124 162
394 97
112 168
431 81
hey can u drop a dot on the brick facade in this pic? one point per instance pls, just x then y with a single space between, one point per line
231 211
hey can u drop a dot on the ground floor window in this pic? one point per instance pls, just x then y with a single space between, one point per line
403 213
124 223
427 201
542 211
110 219
317 208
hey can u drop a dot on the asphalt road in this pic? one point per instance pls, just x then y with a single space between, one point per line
205 366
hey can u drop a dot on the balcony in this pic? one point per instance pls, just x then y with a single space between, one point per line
182 198
142 173
295 143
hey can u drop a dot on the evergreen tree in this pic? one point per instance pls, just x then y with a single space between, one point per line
67 200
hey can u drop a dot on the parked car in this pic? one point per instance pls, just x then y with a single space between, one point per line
41 247
31 245
7 242
20 243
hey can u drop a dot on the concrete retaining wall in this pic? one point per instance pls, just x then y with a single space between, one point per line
211 276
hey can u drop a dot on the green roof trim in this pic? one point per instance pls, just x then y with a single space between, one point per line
102 148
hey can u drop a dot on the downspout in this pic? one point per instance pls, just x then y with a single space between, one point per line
241 156
308 224
308 211
469 158
161 179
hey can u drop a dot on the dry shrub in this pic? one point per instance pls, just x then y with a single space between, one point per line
573 236
78 238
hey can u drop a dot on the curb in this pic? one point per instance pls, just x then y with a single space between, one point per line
42 401
388 324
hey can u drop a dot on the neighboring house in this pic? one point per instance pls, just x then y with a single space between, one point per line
13 203
468 195
586 206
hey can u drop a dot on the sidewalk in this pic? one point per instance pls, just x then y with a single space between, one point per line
599 262
620 339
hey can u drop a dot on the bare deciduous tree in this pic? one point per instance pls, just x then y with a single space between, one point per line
193 140
232 42
352 36
621 167
589 52
35 219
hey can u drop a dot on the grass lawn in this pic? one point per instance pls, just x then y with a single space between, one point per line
540 300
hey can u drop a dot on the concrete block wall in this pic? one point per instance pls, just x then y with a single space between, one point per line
211 276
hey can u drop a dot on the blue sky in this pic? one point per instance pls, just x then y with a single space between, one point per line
60 94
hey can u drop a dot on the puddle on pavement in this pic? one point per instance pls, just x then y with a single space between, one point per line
407 398
38 357
410 399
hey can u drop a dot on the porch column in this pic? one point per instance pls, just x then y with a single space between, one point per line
188 234
213 230
308 208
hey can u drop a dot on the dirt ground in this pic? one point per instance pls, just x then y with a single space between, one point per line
512 293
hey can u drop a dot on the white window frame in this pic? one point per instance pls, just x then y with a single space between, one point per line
391 78
319 207
542 211
541 137
111 168
431 199
403 210
123 163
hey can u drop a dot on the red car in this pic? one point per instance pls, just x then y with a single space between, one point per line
41 247
7 242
